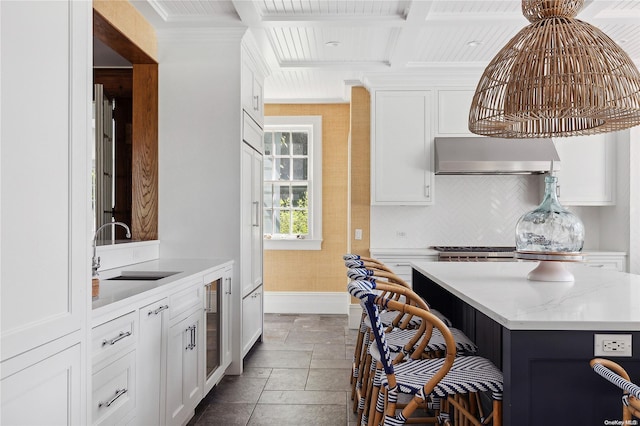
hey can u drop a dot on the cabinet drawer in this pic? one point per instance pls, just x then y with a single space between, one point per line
113 394
114 336
185 299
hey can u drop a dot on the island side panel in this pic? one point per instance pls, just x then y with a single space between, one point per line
549 379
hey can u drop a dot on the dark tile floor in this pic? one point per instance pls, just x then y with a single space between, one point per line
299 375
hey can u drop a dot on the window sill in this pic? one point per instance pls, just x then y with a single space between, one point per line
293 244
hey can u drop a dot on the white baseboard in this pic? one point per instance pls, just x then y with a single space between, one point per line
296 302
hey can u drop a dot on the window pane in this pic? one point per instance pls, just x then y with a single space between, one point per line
299 196
268 168
284 195
283 221
267 221
267 196
300 168
267 143
283 168
283 142
300 143
300 222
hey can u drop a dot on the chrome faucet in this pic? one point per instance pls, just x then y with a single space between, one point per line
95 260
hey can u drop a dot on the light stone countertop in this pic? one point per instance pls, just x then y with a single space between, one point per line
599 299
118 292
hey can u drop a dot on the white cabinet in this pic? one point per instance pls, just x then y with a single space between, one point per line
44 268
587 170
251 220
402 148
252 319
152 363
114 390
607 260
453 112
252 90
185 375
399 260
113 395
46 392
217 339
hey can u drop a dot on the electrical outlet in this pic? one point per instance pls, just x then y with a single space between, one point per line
401 234
358 235
612 345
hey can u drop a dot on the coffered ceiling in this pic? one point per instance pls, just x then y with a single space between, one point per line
317 49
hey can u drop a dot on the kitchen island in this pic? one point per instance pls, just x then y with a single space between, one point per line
541 334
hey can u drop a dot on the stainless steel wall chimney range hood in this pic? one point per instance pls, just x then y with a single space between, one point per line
490 156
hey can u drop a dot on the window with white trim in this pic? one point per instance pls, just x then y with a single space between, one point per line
292 193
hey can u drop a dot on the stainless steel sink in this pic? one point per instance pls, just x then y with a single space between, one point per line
142 275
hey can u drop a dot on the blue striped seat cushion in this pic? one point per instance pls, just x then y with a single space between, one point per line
468 374
396 339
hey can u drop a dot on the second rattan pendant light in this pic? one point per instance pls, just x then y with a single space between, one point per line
558 76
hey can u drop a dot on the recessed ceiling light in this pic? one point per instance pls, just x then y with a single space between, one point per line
474 43
333 43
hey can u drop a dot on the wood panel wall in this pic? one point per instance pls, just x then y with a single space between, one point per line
318 270
144 156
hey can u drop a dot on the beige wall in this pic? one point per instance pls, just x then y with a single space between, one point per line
324 270
318 270
360 169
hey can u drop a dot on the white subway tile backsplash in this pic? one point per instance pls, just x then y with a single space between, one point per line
469 210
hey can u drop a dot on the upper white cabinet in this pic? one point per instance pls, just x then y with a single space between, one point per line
402 148
44 263
252 90
453 112
587 170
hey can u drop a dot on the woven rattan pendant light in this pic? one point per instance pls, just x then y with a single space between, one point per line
558 76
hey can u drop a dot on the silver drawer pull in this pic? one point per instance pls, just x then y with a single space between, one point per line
160 309
113 341
119 393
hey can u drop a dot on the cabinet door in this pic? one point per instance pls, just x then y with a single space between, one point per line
44 174
251 320
587 170
45 393
152 362
252 99
185 374
402 164
251 219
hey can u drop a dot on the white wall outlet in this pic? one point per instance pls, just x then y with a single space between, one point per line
401 234
358 234
611 345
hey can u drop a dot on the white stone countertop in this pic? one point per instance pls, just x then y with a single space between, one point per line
599 299
114 293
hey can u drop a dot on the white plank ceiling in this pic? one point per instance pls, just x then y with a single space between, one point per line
316 49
